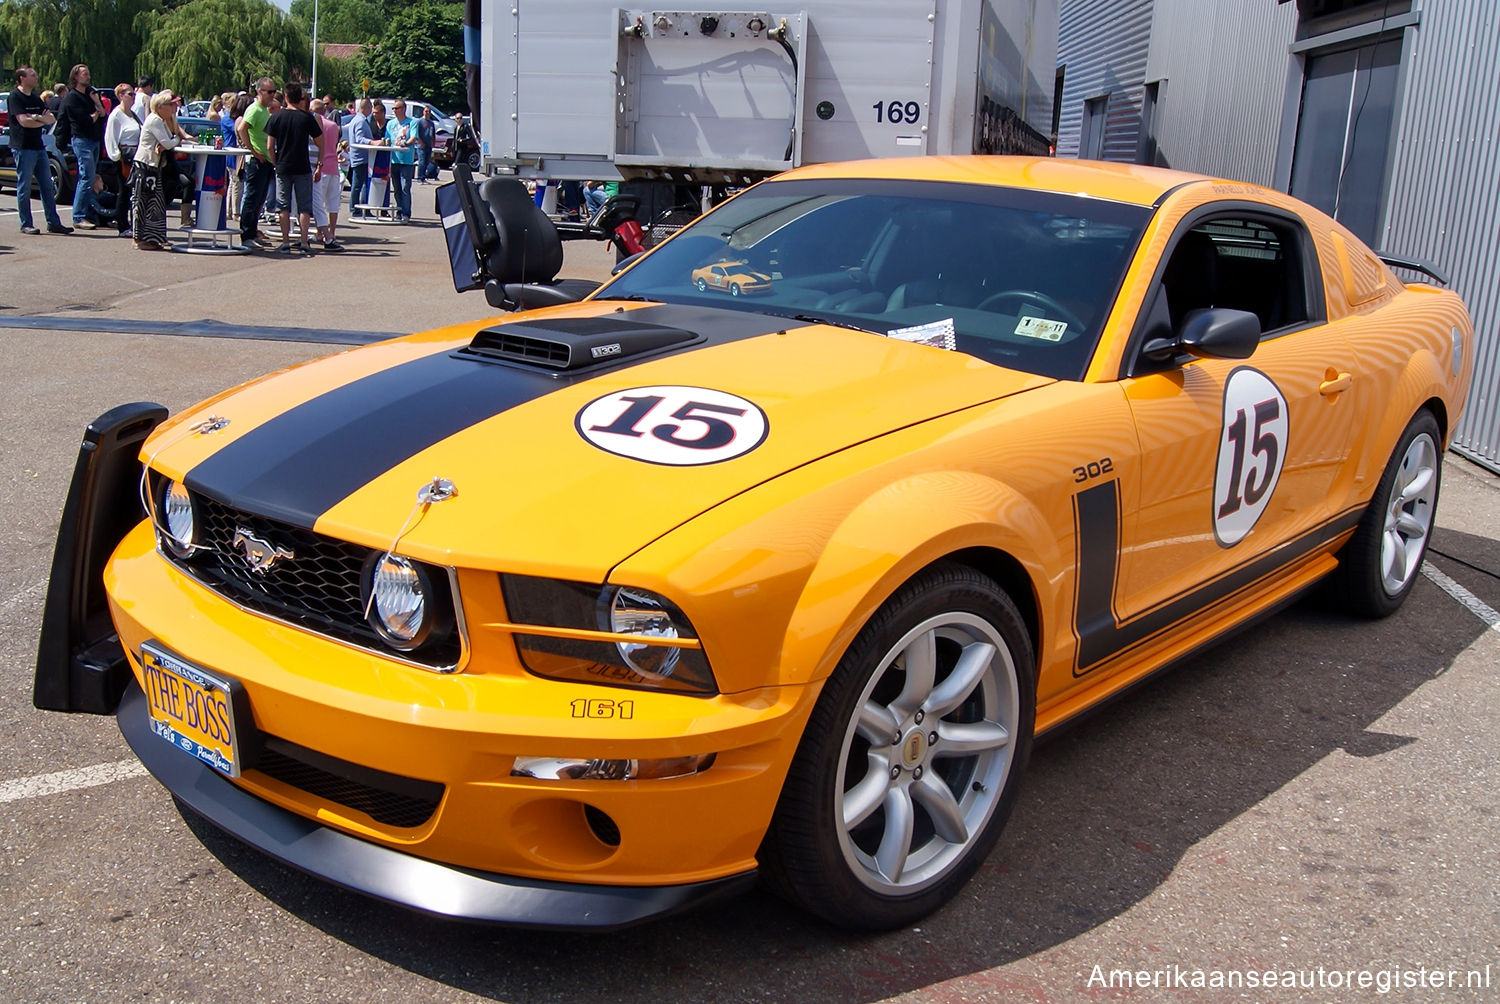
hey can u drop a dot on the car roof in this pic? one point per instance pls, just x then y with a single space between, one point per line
414 103
1132 183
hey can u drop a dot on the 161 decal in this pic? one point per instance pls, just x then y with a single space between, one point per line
1252 449
677 426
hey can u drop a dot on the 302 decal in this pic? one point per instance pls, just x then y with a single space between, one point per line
1252 449
1093 469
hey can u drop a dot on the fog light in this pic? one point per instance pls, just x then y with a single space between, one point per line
177 511
398 601
547 768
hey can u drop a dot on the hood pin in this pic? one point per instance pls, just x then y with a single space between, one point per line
436 490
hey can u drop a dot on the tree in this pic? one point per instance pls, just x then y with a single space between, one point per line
339 77
421 54
207 46
351 22
53 35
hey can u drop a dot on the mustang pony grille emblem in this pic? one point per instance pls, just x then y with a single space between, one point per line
259 553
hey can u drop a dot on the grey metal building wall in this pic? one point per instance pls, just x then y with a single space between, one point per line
1229 84
1222 68
1102 45
1445 185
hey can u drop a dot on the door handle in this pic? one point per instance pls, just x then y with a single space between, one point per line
1335 384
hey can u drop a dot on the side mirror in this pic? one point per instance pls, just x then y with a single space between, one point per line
625 263
1220 333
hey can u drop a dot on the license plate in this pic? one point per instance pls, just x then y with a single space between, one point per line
191 709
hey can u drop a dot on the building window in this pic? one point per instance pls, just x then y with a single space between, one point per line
1341 158
1091 143
1150 115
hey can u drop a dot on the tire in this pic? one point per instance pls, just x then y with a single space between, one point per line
473 160
62 182
1378 566
856 834
734 289
702 286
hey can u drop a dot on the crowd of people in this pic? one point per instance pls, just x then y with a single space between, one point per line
299 150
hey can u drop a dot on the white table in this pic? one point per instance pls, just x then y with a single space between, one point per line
209 187
377 207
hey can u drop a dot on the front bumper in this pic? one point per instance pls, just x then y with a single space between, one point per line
389 727
391 875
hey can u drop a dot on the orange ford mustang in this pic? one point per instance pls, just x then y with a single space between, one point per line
581 616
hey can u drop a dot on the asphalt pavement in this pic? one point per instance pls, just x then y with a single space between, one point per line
1314 799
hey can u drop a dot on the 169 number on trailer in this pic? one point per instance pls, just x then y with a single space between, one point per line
897 112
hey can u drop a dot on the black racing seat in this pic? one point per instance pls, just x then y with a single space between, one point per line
516 246
1191 278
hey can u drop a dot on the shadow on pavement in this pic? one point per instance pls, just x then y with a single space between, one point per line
1109 809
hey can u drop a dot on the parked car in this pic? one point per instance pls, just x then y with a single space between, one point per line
61 164
596 612
443 125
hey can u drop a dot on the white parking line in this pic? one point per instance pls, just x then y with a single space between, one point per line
1476 606
70 780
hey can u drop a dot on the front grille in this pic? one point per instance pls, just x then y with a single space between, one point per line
386 798
318 589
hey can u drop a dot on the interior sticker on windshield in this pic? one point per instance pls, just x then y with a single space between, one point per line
938 334
675 426
1040 327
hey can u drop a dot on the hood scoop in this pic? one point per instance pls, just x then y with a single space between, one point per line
568 344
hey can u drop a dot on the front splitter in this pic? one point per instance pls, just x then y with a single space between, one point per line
393 876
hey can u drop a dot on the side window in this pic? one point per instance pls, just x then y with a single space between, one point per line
1246 263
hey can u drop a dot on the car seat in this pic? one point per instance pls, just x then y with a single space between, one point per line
1191 277
516 246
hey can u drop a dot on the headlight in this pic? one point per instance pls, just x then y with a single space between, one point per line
177 514
398 608
661 653
634 611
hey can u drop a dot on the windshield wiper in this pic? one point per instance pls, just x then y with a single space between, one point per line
821 319
630 296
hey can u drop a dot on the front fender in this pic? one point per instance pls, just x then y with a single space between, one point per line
895 533
777 581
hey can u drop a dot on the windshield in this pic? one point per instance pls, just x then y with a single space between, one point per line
1019 278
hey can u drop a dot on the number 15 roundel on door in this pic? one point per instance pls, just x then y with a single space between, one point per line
1252 448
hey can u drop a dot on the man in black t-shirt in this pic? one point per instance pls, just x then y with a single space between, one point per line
28 118
83 121
287 136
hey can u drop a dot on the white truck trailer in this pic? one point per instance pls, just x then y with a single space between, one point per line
590 89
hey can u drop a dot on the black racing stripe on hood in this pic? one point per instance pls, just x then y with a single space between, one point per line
303 462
